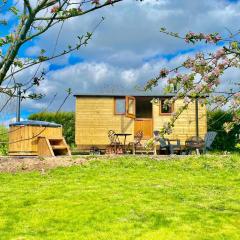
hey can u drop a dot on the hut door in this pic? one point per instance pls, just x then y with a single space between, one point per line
144 125
130 107
144 117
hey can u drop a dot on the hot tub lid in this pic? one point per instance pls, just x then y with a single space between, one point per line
35 123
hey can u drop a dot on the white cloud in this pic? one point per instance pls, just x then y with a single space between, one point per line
129 76
130 32
115 59
33 51
89 77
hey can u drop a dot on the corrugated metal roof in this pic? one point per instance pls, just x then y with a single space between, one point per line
122 95
35 123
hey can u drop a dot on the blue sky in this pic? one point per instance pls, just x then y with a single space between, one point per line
127 49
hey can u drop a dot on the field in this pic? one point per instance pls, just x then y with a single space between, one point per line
125 198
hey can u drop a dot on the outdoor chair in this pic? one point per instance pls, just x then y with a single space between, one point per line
115 145
163 143
208 139
136 144
166 145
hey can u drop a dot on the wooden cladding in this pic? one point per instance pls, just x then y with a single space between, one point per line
23 140
185 125
95 117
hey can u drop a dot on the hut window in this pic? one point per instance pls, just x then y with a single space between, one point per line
165 109
120 106
130 107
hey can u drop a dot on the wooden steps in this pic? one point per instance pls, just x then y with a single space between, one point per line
51 147
58 147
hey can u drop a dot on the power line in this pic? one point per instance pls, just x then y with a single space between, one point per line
50 103
34 136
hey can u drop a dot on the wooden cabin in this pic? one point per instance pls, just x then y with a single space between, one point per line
36 138
97 114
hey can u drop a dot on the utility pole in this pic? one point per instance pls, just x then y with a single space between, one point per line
18 117
196 116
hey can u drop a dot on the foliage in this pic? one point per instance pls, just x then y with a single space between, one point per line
125 198
3 140
224 140
200 75
67 119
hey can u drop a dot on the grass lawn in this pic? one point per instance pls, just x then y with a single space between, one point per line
125 198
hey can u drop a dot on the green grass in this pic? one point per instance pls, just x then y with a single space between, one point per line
125 198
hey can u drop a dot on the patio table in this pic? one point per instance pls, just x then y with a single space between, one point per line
125 137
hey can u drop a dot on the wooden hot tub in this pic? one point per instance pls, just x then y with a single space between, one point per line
36 138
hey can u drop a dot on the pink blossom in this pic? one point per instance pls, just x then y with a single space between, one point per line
55 9
185 79
189 63
179 76
202 62
217 81
216 71
208 38
186 100
164 72
172 81
201 101
225 62
218 38
220 52
237 95
214 61
234 103
210 85
199 88
206 78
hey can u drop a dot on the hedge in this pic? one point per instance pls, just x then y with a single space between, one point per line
3 140
66 119
224 141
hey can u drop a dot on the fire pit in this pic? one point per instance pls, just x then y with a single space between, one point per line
194 143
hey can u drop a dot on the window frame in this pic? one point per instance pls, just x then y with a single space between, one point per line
160 108
115 105
130 115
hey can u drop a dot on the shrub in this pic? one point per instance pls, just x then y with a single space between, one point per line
3 140
66 119
224 141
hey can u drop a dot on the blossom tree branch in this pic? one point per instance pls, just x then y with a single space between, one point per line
34 19
200 76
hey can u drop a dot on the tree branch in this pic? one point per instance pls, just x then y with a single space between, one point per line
27 4
80 13
51 58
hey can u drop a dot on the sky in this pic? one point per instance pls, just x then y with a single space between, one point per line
126 50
